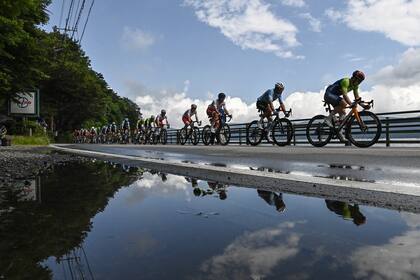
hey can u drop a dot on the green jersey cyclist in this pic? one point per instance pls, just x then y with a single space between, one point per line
337 95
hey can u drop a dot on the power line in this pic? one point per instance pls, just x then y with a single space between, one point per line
74 16
69 16
62 11
78 18
87 20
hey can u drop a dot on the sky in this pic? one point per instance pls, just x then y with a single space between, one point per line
171 53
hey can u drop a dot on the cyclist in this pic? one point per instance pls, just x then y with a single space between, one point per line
113 127
125 125
149 125
216 110
186 117
340 88
265 104
149 122
161 119
93 134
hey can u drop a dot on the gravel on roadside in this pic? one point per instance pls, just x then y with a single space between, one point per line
21 162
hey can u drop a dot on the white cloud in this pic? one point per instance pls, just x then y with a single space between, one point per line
254 254
249 24
398 259
398 20
186 85
294 3
333 14
136 39
153 185
314 23
405 73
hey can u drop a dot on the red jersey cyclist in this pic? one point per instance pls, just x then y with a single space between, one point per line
187 116
216 110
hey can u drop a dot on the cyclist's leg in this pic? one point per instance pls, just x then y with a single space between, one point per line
335 101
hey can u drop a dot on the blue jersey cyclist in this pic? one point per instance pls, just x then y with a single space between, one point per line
265 101
337 95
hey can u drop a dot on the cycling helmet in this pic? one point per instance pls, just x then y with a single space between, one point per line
221 96
152 117
163 112
193 106
126 119
358 75
113 122
279 86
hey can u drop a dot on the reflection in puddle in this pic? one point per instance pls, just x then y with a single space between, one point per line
273 199
113 221
347 211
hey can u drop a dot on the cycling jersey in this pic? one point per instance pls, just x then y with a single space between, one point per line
269 96
342 86
219 106
160 119
149 122
140 123
189 113
125 125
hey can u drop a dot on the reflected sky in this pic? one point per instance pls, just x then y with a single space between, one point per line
124 223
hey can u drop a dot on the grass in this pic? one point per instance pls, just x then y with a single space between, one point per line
30 140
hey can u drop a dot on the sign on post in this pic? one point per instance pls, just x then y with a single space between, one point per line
25 104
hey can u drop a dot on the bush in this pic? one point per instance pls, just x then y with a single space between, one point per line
27 140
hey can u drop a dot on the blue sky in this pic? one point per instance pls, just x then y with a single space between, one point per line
242 47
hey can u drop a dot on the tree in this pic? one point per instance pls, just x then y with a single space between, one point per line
20 51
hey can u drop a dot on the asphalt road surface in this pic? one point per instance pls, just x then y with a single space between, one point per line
395 166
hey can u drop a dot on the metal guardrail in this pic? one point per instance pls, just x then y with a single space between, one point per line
402 127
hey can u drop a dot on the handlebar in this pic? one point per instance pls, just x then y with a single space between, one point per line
359 102
287 113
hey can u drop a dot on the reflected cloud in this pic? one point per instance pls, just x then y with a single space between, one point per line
398 259
155 184
254 254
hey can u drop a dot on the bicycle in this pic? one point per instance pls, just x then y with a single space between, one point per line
222 134
191 132
161 135
139 136
281 129
125 136
362 128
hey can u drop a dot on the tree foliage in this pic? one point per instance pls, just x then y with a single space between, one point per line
72 93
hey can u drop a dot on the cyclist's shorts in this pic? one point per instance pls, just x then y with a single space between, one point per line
332 98
261 105
186 119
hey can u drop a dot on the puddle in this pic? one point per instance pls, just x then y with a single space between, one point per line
101 220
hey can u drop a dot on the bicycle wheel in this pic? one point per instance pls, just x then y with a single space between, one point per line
223 135
254 134
195 136
206 135
366 133
318 132
183 135
163 136
282 132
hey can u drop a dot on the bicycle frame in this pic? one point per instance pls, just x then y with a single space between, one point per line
277 117
352 112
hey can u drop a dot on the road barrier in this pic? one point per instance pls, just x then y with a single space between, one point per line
401 127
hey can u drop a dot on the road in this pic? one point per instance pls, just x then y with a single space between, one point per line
394 166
